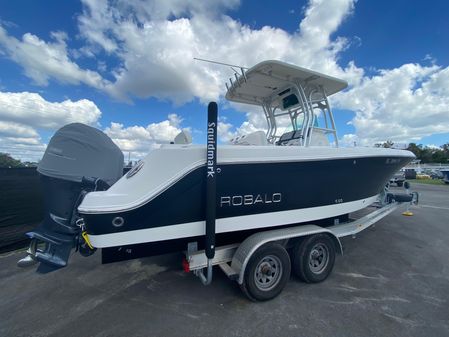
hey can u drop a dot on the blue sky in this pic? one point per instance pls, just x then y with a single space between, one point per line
127 67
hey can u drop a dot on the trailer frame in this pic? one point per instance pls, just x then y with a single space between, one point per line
233 259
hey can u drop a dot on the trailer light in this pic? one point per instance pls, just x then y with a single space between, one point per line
185 265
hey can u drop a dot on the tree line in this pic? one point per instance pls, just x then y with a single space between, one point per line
425 153
6 160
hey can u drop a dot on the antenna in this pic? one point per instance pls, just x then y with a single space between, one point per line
242 70
220 63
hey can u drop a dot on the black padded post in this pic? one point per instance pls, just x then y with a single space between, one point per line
211 189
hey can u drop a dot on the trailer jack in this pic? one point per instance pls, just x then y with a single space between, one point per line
205 280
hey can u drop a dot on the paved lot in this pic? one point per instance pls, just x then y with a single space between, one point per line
392 281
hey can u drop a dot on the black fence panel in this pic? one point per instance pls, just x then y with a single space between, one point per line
21 205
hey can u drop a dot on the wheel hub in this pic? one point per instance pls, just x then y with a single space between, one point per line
318 258
268 272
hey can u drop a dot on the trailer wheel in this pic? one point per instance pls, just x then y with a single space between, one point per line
313 258
266 273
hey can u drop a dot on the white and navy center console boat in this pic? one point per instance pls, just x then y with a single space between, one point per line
294 173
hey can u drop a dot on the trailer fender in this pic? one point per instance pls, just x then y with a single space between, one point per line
253 242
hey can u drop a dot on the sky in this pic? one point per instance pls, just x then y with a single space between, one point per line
128 68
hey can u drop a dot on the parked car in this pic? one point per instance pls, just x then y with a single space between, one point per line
410 174
436 174
398 178
445 174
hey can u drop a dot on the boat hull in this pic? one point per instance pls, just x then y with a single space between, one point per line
249 196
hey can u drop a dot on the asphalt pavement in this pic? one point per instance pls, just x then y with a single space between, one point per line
393 280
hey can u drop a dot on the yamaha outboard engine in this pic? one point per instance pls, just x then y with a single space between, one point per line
78 159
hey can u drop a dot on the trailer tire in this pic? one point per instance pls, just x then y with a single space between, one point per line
266 273
313 258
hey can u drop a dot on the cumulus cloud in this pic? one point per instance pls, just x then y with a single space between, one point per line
24 149
226 131
140 140
32 109
11 129
44 60
174 120
21 141
23 114
156 42
402 104
349 139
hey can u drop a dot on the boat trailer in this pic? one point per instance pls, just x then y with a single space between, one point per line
311 250
262 263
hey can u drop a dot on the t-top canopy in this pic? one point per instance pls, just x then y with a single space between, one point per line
77 150
261 81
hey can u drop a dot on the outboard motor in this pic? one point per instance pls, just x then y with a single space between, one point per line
78 159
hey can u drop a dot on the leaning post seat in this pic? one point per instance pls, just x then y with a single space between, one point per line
290 138
78 159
